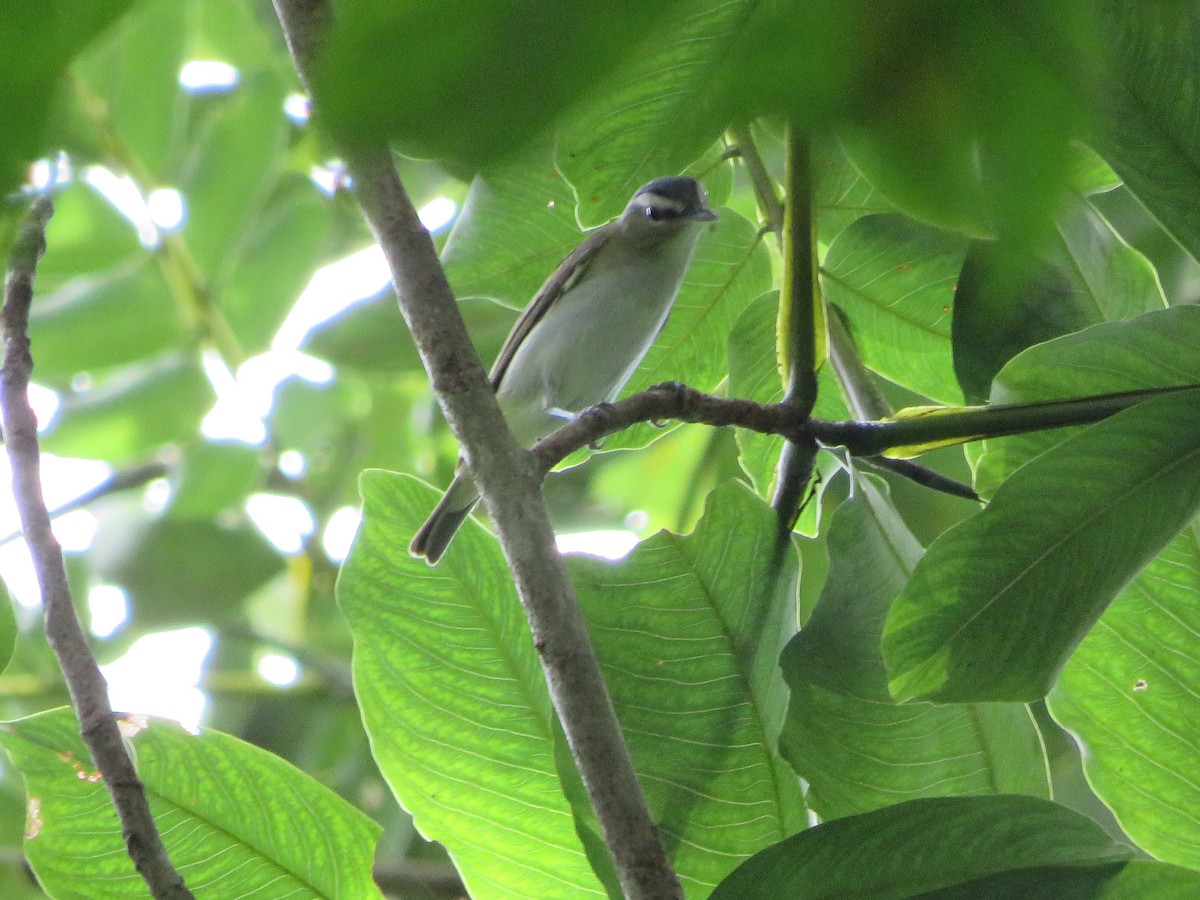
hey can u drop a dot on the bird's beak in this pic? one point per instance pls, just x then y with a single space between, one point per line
704 214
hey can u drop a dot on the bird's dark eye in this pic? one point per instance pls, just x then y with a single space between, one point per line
661 213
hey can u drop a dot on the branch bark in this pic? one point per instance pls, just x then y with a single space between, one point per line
88 690
671 400
509 480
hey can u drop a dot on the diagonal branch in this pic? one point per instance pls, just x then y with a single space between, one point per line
509 480
89 693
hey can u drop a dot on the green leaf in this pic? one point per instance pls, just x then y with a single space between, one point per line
688 631
847 739
71 327
754 375
131 77
181 571
895 281
85 234
981 142
629 132
37 43
1086 276
1061 537
453 699
1158 349
843 194
213 477
233 158
921 846
1128 695
236 820
516 225
476 87
1150 112
133 410
296 233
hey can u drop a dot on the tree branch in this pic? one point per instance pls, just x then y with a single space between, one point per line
509 480
89 693
671 400
863 396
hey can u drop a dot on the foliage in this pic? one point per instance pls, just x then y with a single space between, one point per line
993 701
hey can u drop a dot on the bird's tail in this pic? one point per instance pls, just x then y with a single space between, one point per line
452 510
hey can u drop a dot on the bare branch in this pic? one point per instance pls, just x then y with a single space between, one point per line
89 693
671 400
509 480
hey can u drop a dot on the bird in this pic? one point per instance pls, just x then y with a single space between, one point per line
586 329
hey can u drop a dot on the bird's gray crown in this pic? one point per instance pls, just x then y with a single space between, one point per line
673 197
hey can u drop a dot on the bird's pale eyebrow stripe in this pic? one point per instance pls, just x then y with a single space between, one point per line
652 199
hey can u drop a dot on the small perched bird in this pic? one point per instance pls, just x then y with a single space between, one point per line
586 330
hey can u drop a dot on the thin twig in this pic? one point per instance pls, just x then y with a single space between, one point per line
89 693
509 480
764 187
121 480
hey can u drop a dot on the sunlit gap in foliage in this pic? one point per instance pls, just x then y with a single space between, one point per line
166 208
297 108
63 480
108 609
46 173
292 464
339 532
284 521
611 544
126 198
208 76
159 676
279 670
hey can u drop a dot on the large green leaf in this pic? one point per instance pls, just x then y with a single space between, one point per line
37 43
629 132
229 168
1150 124
236 820
476 87
71 327
1159 349
843 194
915 848
1061 537
895 280
855 747
133 410
1087 275
86 234
1128 694
454 702
170 565
134 73
516 225
688 631
295 232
